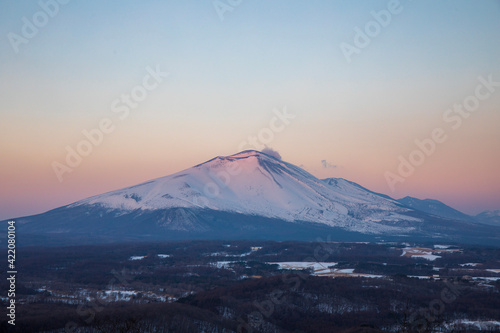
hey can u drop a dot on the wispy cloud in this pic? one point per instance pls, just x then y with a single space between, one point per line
327 164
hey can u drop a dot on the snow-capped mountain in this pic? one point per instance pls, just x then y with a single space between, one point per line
247 195
254 183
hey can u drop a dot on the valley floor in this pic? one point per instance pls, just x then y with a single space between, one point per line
257 286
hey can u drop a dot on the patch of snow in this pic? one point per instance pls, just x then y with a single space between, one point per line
442 246
300 265
136 257
420 277
470 264
223 264
480 325
418 252
485 278
119 295
430 257
163 256
323 269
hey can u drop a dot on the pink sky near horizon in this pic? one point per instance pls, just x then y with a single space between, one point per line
461 173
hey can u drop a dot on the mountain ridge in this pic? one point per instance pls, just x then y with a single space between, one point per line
254 183
434 207
247 194
489 217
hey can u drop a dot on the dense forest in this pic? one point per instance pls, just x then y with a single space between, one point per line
250 286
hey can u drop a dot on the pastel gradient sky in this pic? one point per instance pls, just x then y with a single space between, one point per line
225 79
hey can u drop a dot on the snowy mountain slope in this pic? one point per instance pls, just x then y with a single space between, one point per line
344 185
366 205
253 183
249 195
434 207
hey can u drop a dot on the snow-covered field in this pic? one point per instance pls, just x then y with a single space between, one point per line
299 265
419 252
322 269
427 253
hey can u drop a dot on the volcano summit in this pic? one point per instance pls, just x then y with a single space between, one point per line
248 195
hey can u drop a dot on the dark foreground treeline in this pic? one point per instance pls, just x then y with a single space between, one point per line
285 303
250 296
